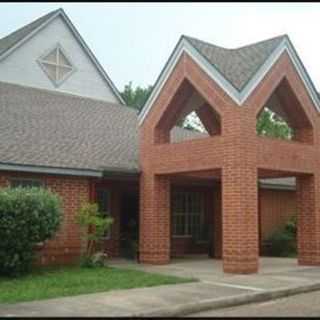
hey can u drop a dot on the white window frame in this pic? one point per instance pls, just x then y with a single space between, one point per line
108 210
41 61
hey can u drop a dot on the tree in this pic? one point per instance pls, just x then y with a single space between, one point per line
271 125
93 225
135 97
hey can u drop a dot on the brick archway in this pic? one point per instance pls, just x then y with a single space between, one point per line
238 153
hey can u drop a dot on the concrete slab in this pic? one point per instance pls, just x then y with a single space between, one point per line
277 278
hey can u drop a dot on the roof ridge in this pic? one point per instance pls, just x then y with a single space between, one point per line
261 41
21 32
236 48
205 42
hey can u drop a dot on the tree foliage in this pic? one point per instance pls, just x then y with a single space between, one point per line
93 225
271 125
28 216
283 241
135 97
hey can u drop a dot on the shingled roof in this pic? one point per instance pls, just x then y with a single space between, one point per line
237 65
13 38
45 128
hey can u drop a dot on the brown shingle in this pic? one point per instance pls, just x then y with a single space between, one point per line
237 65
45 128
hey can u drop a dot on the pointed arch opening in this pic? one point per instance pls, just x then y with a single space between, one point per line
188 116
283 116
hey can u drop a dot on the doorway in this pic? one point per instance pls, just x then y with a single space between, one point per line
129 225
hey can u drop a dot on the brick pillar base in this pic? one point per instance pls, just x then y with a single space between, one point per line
240 219
154 242
308 220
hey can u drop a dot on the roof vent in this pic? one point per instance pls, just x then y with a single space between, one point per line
56 65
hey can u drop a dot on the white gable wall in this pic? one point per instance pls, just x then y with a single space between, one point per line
21 66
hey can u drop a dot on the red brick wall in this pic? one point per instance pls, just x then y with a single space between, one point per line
65 247
241 156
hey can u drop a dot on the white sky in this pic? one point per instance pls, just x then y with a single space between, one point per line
133 40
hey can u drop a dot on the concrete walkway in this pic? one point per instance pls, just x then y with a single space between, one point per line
277 278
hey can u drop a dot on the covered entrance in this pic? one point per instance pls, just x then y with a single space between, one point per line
229 151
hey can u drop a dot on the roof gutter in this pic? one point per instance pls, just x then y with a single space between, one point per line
50 170
124 172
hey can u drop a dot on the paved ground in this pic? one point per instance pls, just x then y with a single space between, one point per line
302 305
274 272
214 285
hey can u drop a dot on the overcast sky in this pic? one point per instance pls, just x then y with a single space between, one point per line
133 40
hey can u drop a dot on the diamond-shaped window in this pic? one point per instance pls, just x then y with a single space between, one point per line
56 65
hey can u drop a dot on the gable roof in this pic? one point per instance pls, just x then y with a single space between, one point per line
237 65
12 41
236 71
13 38
45 129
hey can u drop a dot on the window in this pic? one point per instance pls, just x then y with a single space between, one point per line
103 201
26 183
188 215
56 65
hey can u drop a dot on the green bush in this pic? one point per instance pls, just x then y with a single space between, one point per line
283 242
28 216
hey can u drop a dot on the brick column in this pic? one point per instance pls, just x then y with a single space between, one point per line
154 239
240 219
308 203
217 224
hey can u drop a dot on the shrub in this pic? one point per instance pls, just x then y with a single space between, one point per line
27 216
93 225
283 242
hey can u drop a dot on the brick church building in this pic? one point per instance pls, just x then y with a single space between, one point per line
220 192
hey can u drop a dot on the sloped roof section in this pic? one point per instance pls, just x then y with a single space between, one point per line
237 65
13 38
50 129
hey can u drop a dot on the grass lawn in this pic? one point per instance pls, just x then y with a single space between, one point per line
68 281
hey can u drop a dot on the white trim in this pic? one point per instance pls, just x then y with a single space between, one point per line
78 38
238 97
91 55
27 37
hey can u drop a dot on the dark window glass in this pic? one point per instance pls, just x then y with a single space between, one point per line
26 183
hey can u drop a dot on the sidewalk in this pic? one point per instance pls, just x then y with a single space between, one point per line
214 290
